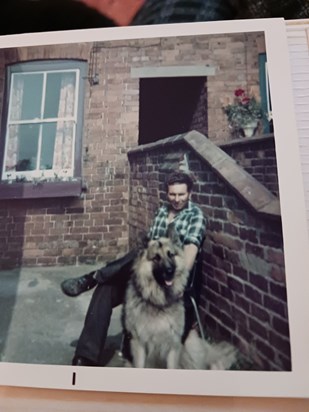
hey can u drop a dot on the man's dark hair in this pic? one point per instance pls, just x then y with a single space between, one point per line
179 178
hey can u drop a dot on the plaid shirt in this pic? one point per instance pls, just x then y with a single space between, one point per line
189 223
180 11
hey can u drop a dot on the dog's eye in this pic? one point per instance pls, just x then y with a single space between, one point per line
170 254
157 258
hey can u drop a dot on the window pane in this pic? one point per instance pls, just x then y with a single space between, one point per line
26 96
48 146
57 146
22 147
60 95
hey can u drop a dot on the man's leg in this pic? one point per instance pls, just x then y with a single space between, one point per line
75 286
96 325
90 346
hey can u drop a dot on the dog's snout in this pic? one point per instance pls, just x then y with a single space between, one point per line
169 271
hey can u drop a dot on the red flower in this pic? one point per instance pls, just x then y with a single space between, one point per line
239 92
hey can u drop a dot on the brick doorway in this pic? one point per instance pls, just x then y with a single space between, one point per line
170 106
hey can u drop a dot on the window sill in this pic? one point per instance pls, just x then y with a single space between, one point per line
28 190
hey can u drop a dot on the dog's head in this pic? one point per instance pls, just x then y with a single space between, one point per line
163 254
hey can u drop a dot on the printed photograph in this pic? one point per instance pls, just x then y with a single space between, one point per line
140 219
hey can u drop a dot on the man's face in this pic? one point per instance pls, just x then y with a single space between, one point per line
178 196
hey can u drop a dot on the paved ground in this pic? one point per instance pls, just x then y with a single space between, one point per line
39 324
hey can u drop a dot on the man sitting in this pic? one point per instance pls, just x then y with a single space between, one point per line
188 221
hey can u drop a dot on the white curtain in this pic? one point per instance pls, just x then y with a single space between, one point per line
15 114
63 149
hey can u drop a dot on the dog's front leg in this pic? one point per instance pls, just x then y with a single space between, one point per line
138 354
172 361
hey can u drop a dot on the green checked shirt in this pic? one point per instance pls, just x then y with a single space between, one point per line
189 223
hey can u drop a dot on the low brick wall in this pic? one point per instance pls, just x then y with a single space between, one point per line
243 292
258 157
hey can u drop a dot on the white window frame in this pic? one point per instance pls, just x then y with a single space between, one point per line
269 111
44 67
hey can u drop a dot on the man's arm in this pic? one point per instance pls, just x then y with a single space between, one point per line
190 251
194 237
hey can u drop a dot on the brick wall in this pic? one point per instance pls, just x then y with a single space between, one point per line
198 121
94 228
243 293
258 157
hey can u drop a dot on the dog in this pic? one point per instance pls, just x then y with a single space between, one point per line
154 314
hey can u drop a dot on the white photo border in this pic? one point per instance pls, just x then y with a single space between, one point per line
296 245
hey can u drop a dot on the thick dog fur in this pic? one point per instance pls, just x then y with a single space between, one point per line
154 315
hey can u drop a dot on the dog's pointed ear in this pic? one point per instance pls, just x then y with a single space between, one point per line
173 235
152 249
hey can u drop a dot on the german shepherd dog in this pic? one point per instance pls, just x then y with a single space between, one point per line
154 313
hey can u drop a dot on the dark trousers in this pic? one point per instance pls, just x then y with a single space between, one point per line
109 293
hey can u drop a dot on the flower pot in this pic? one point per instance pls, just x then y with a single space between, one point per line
250 128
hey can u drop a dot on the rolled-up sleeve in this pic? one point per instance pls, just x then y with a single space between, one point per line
196 230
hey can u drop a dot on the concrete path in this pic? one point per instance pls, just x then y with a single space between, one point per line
39 324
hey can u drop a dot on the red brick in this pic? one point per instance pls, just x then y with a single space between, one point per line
235 285
67 260
259 313
227 321
274 240
277 274
285 362
253 294
278 291
248 234
258 329
232 257
275 256
51 252
48 261
86 259
224 265
226 292
29 261
216 201
218 251
239 316
242 302
281 326
240 272
255 250
232 229
226 240
280 344
265 348
75 230
72 237
213 285
276 306
259 281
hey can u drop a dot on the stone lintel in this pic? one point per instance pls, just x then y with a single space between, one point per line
172 71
